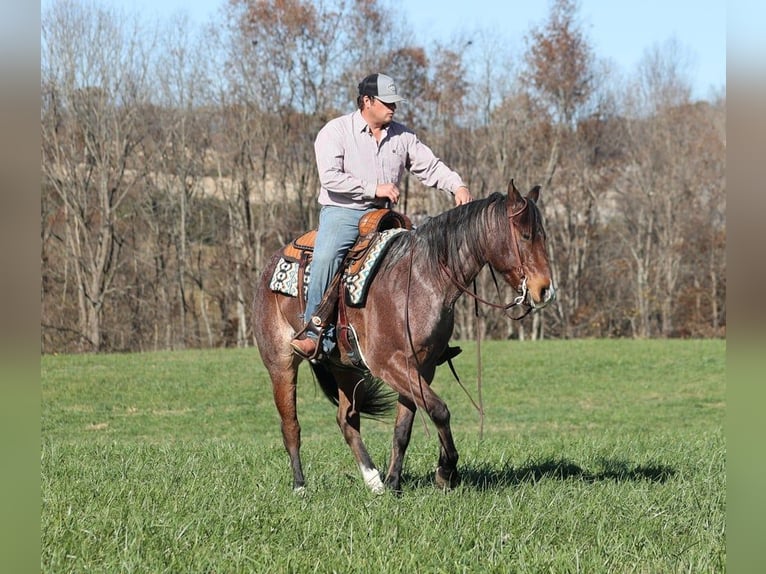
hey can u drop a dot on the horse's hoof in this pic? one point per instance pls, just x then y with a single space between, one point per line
447 480
393 486
372 480
378 489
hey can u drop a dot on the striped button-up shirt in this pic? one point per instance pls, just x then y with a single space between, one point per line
351 163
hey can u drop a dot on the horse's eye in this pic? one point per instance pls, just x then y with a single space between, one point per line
526 235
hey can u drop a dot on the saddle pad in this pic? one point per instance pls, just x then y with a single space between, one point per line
358 283
285 277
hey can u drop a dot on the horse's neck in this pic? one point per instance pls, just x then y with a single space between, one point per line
466 280
461 270
472 237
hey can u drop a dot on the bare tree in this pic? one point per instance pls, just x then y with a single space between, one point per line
656 181
560 75
94 74
176 161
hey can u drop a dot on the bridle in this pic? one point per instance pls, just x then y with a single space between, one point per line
518 300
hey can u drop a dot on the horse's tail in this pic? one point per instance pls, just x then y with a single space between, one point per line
373 398
326 382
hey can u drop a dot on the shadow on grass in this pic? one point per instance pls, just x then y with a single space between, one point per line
486 477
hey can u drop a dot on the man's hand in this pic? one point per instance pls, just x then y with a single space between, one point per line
462 195
388 190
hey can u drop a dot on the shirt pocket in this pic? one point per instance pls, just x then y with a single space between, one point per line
394 159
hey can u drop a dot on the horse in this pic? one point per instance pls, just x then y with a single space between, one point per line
405 325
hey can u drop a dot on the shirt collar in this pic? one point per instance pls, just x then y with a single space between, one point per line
358 121
362 126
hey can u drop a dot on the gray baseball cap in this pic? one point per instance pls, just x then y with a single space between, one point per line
380 86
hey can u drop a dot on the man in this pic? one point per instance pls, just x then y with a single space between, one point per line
361 158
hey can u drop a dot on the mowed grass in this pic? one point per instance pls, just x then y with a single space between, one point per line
597 456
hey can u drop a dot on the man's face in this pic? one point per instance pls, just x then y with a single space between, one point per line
381 111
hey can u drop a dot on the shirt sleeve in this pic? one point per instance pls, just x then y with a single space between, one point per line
429 169
329 148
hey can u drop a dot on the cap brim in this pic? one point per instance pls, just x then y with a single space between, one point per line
391 99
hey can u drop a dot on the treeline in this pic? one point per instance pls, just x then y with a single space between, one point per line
177 158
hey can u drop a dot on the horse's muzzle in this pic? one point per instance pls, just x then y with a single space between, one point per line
547 296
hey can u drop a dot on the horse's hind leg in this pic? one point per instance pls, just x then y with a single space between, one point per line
348 419
405 415
273 331
284 386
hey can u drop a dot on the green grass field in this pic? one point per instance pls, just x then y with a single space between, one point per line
597 456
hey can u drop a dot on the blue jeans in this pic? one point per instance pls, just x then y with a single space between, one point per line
337 232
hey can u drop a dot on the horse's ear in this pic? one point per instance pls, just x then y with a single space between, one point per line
513 192
534 193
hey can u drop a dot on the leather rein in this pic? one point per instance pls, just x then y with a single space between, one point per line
518 300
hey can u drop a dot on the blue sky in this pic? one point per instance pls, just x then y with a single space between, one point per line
618 31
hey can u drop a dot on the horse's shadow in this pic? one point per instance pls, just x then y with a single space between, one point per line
486 477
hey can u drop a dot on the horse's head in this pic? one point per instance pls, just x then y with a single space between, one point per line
529 271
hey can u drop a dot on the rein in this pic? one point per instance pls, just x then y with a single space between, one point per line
412 346
479 407
518 300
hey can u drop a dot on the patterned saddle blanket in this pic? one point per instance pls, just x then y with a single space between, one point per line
357 277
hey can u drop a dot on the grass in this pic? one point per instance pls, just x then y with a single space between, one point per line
597 456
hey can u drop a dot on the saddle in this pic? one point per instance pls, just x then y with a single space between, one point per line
372 226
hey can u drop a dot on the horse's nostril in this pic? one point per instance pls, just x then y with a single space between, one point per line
550 294
545 296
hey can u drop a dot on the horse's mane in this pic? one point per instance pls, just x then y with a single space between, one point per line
445 238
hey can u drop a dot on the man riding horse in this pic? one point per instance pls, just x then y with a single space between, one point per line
361 158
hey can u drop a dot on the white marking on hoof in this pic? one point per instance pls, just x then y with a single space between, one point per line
372 479
301 490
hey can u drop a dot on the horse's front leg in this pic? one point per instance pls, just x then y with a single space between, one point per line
405 415
425 398
446 473
348 419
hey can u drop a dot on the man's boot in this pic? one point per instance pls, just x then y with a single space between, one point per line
305 348
306 344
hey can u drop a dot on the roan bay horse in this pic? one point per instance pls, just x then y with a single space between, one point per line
405 325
